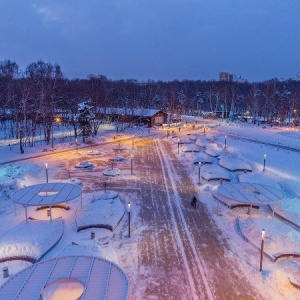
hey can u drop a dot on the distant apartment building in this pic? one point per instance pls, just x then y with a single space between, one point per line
225 76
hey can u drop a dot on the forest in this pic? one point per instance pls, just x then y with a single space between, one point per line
34 97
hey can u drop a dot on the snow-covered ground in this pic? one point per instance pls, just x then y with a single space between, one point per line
242 151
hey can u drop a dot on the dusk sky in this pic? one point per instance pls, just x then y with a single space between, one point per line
155 39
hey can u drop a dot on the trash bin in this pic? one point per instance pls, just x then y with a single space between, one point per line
5 272
92 235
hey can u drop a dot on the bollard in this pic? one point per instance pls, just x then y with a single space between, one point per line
5 272
92 235
48 212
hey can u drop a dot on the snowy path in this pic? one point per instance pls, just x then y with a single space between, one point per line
179 254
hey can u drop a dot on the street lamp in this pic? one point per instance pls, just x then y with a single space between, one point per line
129 219
265 156
199 174
225 142
178 145
56 120
131 164
52 144
263 234
46 165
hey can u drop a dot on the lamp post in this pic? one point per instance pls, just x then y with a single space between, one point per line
76 142
129 219
199 172
52 143
131 164
204 130
225 142
178 145
265 156
46 165
263 234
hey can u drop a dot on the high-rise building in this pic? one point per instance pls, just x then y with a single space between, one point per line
225 76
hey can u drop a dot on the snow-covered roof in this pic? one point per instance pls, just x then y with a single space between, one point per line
250 193
47 194
100 278
137 112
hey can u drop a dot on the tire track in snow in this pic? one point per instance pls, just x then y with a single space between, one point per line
170 170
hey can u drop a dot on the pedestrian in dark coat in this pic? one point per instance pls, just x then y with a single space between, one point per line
194 202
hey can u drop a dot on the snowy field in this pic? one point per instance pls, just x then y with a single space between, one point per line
226 150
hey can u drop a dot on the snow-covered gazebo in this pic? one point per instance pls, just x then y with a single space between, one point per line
249 193
68 278
47 194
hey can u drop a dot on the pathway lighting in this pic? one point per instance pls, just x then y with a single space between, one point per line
199 174
225 142
129 219
204 130
131 164
76 143
46 166
263 234
265 156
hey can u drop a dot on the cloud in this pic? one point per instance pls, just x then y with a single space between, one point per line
47 13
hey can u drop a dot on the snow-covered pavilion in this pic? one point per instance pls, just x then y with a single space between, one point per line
47 194
68 277
249 193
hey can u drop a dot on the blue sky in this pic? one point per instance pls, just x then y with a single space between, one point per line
155 39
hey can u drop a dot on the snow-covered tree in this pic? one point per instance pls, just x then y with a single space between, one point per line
85 119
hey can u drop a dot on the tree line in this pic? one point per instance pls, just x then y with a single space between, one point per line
31 98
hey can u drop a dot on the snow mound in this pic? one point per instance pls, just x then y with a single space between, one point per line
234 164
214 172
105 195
111 172
32 240
189 148
202 142
213 150
279 239
84 165
290 210
203 158
103 214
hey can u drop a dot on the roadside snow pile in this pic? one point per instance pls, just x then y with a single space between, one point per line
30 240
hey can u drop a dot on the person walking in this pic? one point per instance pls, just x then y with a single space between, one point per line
194 202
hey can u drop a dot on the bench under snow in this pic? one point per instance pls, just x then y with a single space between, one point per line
30 241
101 214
